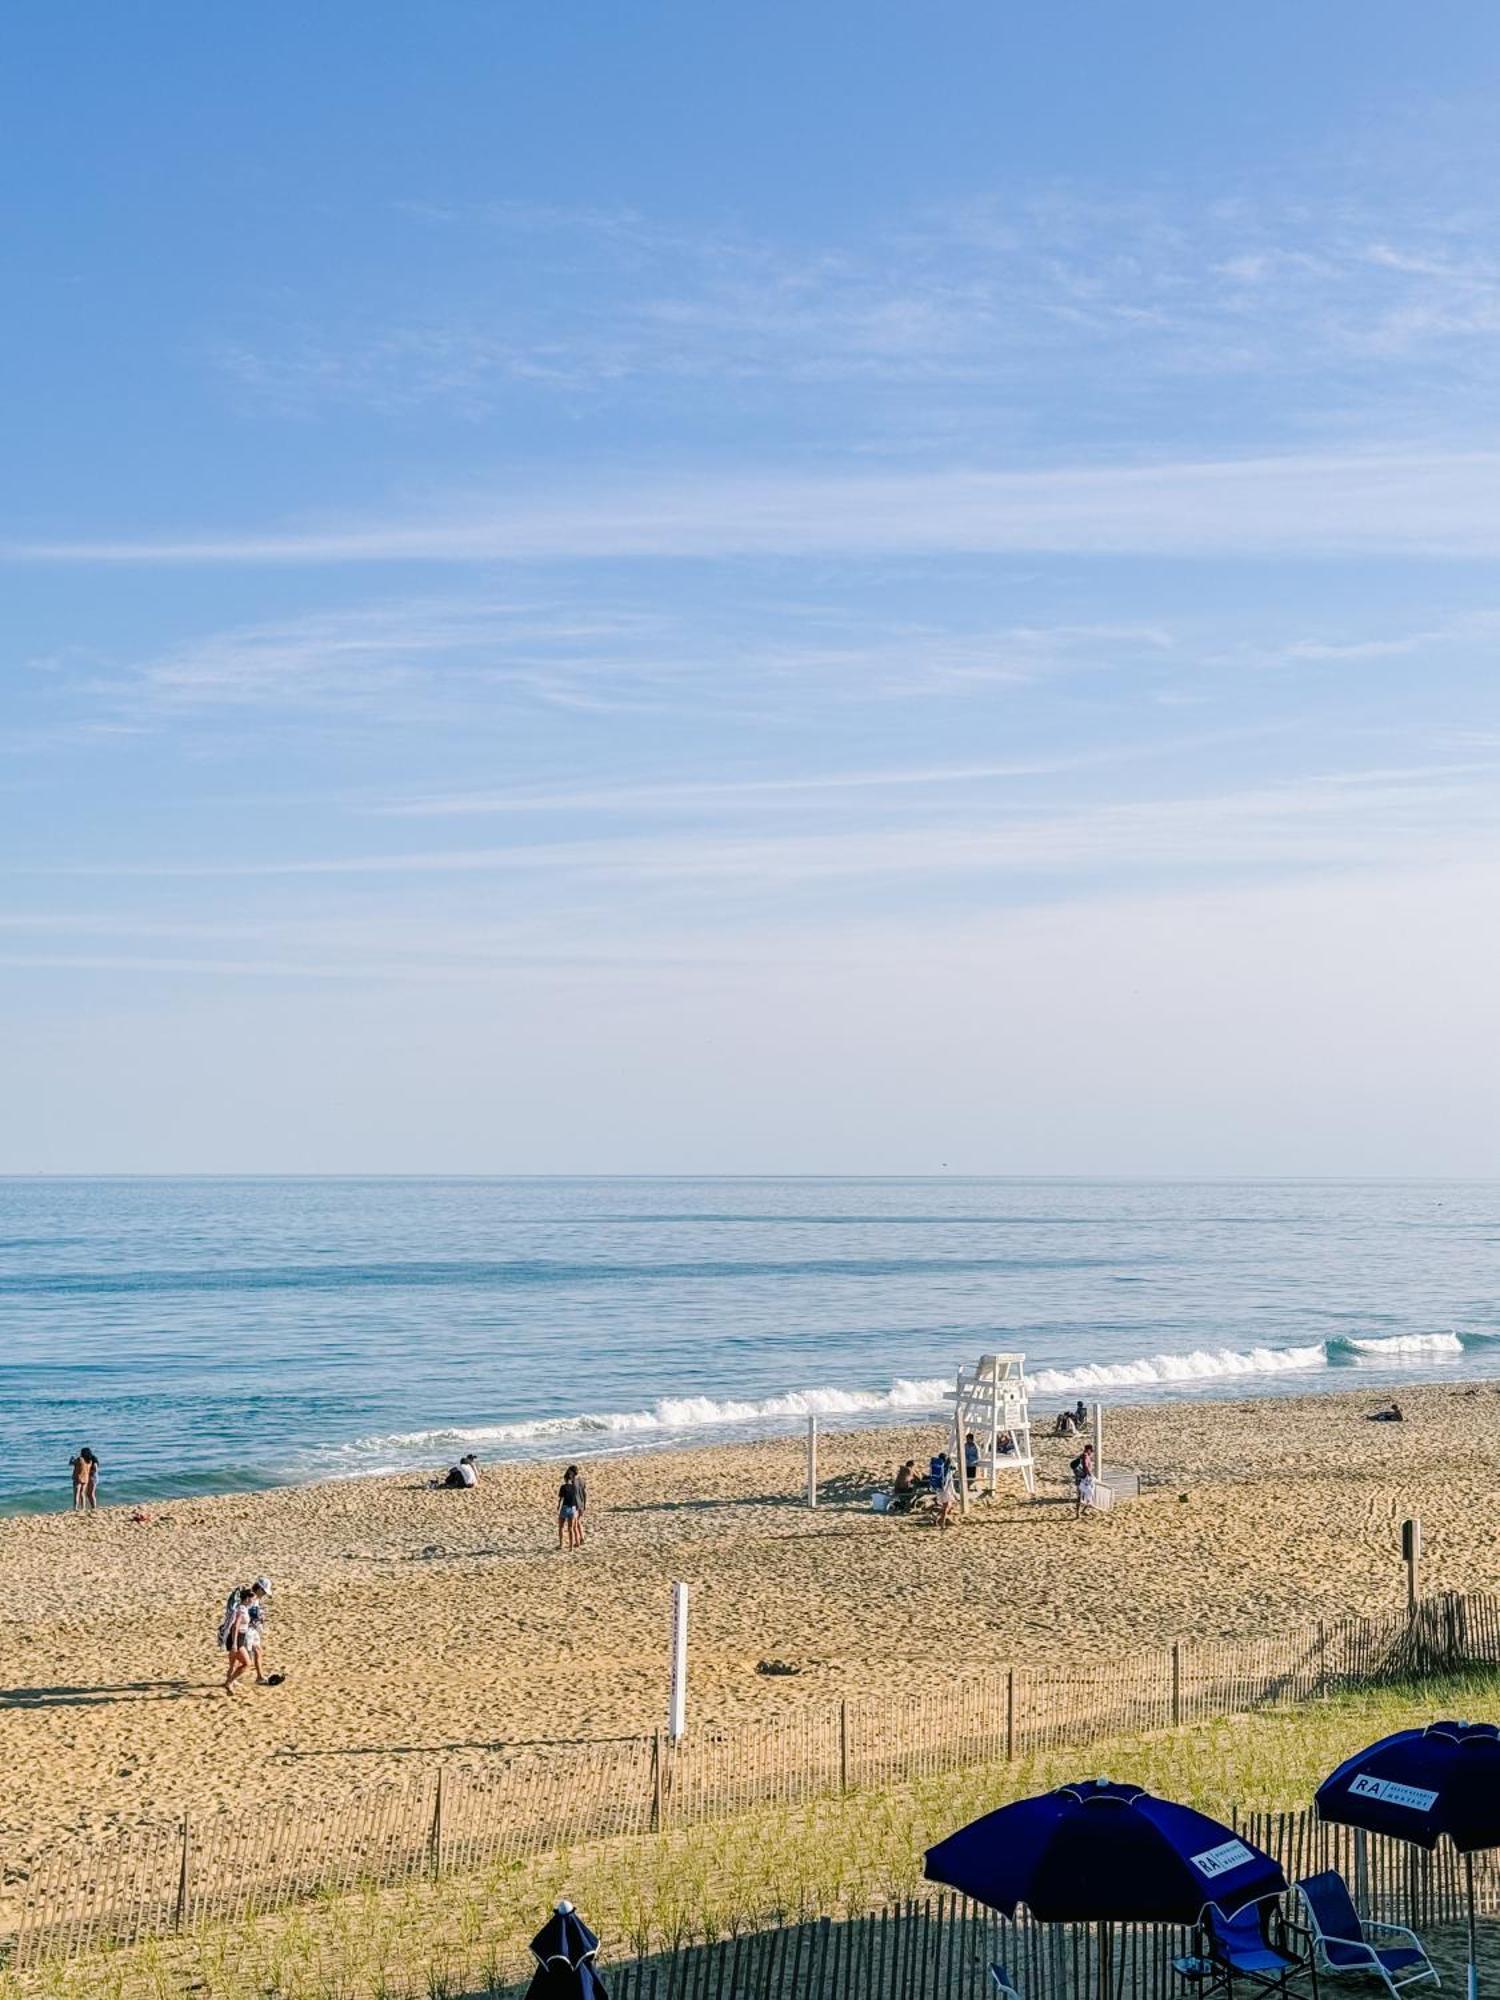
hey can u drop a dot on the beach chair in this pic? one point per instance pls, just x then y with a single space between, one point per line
1255 1945
1341 1936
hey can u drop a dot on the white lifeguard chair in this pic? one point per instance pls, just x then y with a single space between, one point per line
991 1402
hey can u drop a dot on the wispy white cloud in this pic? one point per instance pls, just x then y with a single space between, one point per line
1410 503
1058 283
1359 819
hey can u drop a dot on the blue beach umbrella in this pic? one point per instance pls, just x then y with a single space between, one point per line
1419 1785
1103 1853
1098 1853
564 1949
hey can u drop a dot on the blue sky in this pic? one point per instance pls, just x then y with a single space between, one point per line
810 589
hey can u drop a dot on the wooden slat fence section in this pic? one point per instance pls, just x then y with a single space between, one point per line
165 1877
942 1948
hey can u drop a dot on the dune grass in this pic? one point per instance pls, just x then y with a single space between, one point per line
466 1936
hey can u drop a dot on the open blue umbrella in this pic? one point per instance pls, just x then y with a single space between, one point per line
564 1949
1103 1853
1098 1853
1419 1785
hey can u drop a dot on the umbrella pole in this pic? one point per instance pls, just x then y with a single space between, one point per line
1473 1988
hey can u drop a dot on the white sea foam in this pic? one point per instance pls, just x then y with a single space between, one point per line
675 1417
1401 1343
1165 1370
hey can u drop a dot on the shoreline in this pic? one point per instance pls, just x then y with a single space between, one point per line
418 1625
623 1437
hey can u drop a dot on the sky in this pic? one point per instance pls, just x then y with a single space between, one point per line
806 589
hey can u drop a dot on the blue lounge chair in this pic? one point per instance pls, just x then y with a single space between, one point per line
1254 1945
1340 1936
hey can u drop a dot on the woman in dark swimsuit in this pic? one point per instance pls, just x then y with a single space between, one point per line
569 1532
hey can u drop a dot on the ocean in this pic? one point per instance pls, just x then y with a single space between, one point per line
219 1335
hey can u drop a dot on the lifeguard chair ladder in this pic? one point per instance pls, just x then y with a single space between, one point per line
991 1402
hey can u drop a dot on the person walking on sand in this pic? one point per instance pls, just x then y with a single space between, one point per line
259 1605
235 1632
569 1530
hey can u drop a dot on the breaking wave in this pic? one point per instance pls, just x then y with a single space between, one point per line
682 1416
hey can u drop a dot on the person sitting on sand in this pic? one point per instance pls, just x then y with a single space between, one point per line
1080 1414
465 1473
907 1487
569 1533
1064 1427
1390 1415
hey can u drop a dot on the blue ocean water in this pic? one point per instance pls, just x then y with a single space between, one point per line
212 1335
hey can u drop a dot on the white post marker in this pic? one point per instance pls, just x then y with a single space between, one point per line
1098 1440
812 1461
677 1703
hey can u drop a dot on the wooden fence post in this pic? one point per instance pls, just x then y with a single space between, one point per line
656 1786
1176 1683
437 1825
184 1878
1010 1715
1322 1686
843 1746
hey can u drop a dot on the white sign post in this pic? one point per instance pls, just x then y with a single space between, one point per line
677 1705
1098 1440
812 1461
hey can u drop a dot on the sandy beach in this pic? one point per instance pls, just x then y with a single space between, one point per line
415 1625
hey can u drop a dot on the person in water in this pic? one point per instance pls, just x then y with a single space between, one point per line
85 1470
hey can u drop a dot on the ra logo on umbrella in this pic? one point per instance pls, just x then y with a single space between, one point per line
1419 1785
1103 1853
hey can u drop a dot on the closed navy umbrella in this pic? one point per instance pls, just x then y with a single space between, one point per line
564 1949
1419 1785
1103 1854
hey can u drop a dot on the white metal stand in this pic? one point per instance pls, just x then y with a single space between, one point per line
991 1401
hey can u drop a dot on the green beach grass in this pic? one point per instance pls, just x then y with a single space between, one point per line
466 1935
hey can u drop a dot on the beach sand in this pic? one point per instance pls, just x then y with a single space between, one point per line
416 1626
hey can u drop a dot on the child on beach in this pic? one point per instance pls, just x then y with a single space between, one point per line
947 1499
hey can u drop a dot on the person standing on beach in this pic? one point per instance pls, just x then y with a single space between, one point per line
85 1470
947 1499
259 1607
236 1637
569 1529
